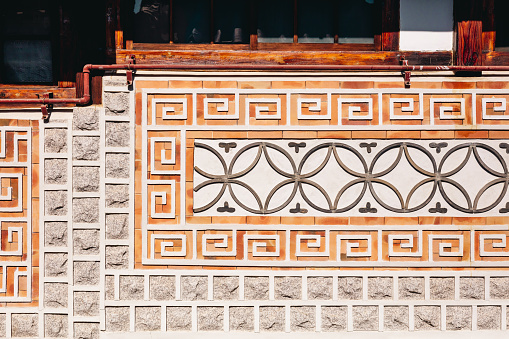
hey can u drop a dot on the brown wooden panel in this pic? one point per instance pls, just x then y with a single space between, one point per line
468 14
220 57
390 25
496 59
488 26
33 92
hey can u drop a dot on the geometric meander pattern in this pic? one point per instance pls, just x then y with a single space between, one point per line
372 177
15 214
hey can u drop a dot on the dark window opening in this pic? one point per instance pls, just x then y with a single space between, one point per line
501 25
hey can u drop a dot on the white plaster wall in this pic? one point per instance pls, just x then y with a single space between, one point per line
426 25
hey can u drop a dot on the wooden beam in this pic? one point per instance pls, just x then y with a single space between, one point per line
488 26
468 17
390 25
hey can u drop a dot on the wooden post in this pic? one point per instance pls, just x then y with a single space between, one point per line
468 15
390 25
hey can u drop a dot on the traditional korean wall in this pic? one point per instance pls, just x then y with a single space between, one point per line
244 203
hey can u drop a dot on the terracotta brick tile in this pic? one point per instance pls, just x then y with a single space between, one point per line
265 134
140 84
497 220
471 134
426 84
435 220
493 84
297 220
334 134
401 220
263 220
367 221
357 84
185 84
254 84
403 134
288 84
458 85
322 84
437 134
331 220
229 134
219 84
499 134
390 84
229 220
369 134
23 123
474 221
299 134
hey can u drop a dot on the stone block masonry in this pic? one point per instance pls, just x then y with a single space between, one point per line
240 204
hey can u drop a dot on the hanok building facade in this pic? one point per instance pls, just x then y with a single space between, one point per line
262 168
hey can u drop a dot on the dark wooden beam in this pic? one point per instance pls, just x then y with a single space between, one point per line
468 24
390 25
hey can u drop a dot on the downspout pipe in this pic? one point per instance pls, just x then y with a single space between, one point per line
85 99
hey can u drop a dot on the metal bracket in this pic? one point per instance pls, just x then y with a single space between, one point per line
46 108
131 60
406 74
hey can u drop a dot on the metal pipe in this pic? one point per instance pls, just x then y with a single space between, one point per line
131 67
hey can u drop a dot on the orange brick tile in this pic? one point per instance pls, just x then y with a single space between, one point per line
357 84
150 84
426 84
499 134
471 134
493 84
185 84
331 220
288 84
219 84
322 84
458 85
229 134
299 134
229 220
263 220
497 220
474 221
367 221
199 220
334 134
437 134
297 220
390 84
403 134
265 134
254 84
369 134
401 220
435 220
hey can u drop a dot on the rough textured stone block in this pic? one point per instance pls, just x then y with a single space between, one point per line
55 171
85 210
117 319
86 242
85 148
55 233
86 330
148 319
117 226
109 287
350 288
256 288
3 331
427 318
178 318
441 288
380 288
55 140
472 288
272 318
117 257
319 288
458 318
85 119
24 325
117 134
132 287
117 165
210 318
226 288
162 287
411 288
334 318
302 318
117 196
499 287
56 325
194 288
241 318
288 288
116 103
55 202
365 318
396 318
86 304
86 273
55 264
488 317
55 295
85 179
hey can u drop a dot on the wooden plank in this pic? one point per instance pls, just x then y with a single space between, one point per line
468 14
190 57
496 59
390 25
